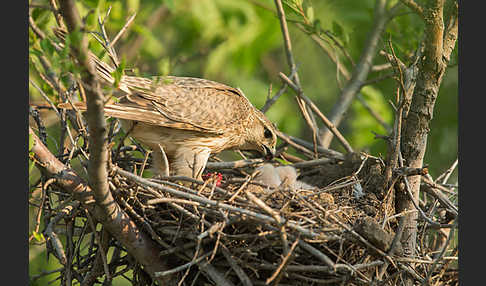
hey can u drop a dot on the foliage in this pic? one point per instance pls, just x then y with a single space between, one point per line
240 43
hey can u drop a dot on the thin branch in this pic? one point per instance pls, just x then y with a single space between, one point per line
286 36
122 227
131 50
343 70
445 176
182 267
271 100
414 6
329 153
281 268
360 73
245 280
441 254
123 29
326 121
216 204
290 58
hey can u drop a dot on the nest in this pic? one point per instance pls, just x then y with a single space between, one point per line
245 232
335 225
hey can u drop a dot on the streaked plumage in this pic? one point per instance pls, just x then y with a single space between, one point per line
190 118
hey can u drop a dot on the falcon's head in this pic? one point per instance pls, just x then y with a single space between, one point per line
261 135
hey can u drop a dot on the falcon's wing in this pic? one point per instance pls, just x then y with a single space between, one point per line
178 102
181 102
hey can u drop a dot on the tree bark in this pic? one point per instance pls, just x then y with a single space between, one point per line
438 45
137 243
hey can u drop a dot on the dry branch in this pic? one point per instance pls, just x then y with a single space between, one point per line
211 234
97 169
360 72
121 227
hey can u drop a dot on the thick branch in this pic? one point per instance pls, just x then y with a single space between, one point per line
97 168
137 243
432 66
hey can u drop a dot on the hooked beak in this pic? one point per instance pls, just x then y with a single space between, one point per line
269 153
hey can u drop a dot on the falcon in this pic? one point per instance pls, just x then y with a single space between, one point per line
186 118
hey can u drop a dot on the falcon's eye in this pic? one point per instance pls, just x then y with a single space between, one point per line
267 133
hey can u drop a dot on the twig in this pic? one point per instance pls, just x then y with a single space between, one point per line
360 73
393 246
34 27
42 93
132 49
203 200
445 176
102 252
326 121
329 153
308 120
245 280
233 164
362 239
41 205
290 57
277 275
297 146
122 227
286 37
171 200
414 6
122 30
56 13
100 265
342 69
312 163
271 100
182 267
435 191
422 214
243 186
98 158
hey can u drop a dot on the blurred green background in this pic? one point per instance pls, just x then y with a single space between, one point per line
239 42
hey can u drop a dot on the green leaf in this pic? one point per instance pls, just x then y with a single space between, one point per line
283 162
47 46
31 165
118 73
75 38
164 66
298 3
31 142
310 14
337 29
35 52
317 26
38 236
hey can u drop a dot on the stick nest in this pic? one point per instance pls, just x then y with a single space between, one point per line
251 233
